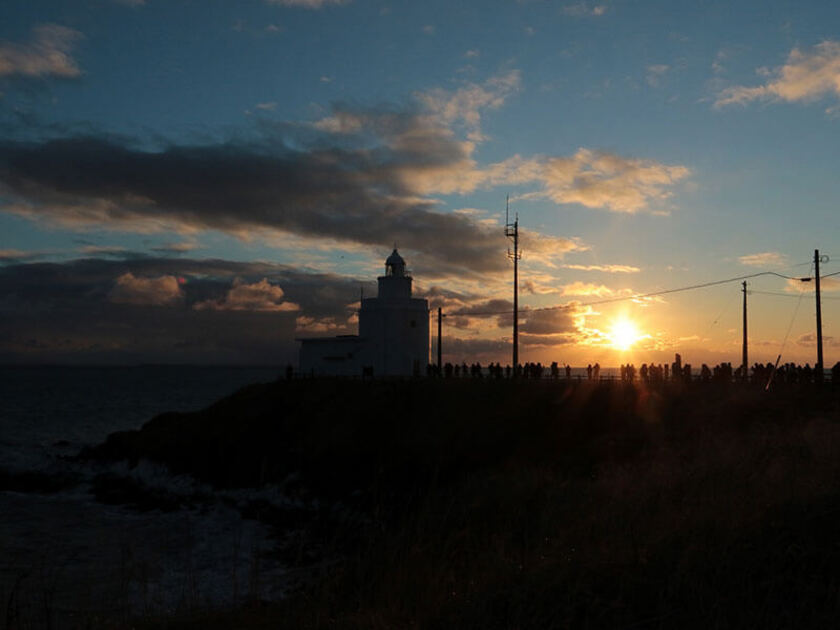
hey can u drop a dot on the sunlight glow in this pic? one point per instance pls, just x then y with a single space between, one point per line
624 334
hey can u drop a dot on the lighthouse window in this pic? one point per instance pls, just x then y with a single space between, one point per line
413 324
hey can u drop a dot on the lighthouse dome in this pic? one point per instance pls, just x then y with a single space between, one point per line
394 264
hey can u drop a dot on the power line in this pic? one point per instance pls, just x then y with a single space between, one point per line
637 296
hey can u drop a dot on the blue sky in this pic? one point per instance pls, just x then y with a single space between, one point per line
182 160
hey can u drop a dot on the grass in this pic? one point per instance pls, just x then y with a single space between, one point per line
491 504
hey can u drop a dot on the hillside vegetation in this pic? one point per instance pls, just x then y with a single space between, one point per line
497 504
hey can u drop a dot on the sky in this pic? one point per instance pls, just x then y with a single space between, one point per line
206 181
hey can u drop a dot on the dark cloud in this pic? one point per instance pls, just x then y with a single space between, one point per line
145 309
358 176
351 196
486 308
12 256
175 248
148 309
562 319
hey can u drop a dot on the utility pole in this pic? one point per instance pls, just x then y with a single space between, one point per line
512 231
440 353
819 316
744 361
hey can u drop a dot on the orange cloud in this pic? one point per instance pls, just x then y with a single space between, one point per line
607 268
805 77
155 291
258 296
587 288
763 259
604 180
47 55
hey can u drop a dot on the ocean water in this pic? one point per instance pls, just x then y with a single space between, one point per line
64 555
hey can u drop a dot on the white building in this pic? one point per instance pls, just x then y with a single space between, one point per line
393 337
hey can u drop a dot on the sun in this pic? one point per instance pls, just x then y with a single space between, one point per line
624 334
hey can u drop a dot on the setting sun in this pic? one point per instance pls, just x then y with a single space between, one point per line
624 334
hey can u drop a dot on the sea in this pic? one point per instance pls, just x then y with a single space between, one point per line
67 558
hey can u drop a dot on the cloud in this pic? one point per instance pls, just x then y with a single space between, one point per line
464 105
306 4
10 256
103 250
258 296
584 9
270 106
361 177
795 285
655 74
348 196
181 247
110 311
763 259
555 321
48 54
597 179
806 77
809 340
308 325
364 177
607 268
589 289
159 291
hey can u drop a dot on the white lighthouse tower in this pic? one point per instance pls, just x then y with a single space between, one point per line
393 337
395 324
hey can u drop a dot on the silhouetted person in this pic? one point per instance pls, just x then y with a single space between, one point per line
290 372
596 371
589 371
568 373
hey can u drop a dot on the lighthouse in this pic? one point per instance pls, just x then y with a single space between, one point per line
395 324
393 337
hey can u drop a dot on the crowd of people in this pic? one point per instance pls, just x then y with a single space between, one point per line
677 371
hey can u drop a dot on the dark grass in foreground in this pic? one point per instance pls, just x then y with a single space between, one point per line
496 504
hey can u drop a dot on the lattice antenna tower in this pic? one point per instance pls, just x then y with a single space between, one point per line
512 232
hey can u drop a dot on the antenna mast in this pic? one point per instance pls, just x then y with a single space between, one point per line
744 361
512 232
817 259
